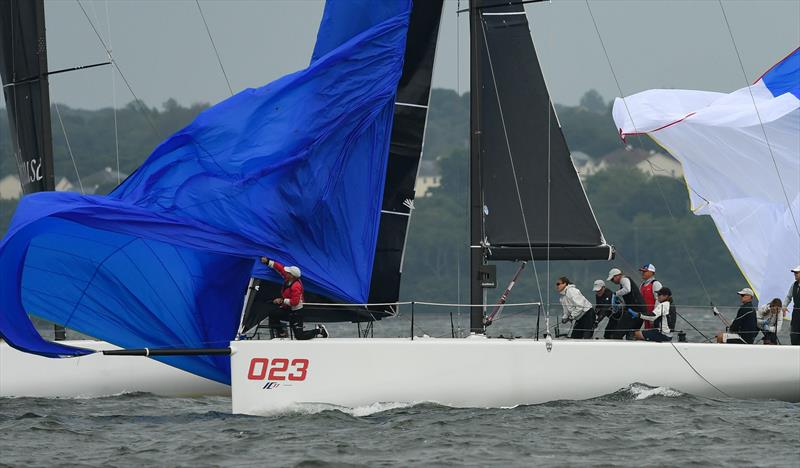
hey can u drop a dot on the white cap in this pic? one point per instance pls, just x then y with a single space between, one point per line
648 267
747 291
292 270
613 272
796 269
598 285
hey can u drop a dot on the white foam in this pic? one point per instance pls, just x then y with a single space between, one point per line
358 411
641 391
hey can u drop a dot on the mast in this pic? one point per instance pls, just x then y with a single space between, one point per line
476 254
23 69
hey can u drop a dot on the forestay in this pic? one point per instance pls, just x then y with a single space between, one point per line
740 154
293 170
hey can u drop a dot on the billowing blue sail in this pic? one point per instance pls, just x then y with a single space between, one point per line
293 170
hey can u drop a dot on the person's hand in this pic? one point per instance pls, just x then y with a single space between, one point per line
786 309
265 260
564 320
277 301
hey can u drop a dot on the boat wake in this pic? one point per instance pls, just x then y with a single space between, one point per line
358 411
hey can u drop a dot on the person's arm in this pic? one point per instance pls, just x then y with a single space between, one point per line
788 298
656 288
760 312
565 306
625 287
277 266
657 312
761 322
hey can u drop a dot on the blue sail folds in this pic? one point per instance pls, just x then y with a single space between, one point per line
293 170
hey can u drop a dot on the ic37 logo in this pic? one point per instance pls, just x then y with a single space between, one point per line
277 370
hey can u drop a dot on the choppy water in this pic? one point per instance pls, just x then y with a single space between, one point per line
633 427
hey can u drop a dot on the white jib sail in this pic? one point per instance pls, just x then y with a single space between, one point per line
740 154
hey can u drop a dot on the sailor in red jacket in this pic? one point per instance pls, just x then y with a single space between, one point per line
292 300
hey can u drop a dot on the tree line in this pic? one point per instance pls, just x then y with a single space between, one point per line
646 218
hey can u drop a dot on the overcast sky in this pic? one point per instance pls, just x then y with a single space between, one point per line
164 51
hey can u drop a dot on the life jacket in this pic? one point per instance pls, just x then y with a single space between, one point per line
634 298
795 296
649 301
293 290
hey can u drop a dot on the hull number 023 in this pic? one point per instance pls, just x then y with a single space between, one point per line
278 369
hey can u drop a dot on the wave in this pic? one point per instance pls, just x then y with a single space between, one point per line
358 411
642 392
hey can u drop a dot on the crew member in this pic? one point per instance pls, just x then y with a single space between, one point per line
744 328
794 297
632 297
649 289
602 308
576 308
659 317
769 318
292 300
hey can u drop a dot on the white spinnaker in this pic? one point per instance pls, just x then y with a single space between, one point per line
735 174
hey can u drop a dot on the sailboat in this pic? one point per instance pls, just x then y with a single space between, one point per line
24 72
357 113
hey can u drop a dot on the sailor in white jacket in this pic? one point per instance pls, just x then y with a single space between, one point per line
576 308
769 318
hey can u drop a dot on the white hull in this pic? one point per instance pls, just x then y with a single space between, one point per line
480 372
95 375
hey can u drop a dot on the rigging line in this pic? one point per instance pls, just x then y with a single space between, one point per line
69 147
219 60
758 114
658 184
696 371
142 107
113 96
511 158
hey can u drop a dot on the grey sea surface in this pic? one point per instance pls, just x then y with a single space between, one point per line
634 426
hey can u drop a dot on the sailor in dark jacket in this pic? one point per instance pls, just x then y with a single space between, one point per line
632 297
602 307
794 297
745 324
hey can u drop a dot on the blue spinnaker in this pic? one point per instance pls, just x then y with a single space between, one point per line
293 170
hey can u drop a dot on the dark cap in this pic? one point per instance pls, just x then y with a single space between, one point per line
664 292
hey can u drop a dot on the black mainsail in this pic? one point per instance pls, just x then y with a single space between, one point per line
405 151
527 202
23 69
